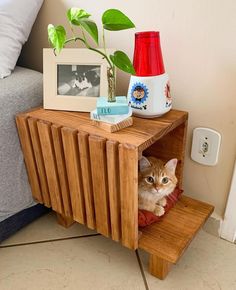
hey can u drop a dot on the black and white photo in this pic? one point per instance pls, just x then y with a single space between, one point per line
78 80
74 79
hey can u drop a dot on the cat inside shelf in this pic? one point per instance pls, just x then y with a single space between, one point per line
156 181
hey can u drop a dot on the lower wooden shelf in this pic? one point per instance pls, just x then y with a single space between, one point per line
168 239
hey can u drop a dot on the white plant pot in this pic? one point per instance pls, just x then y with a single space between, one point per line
149 97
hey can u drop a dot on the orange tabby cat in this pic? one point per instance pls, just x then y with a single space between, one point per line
156 181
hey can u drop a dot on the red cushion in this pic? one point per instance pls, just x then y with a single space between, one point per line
146 218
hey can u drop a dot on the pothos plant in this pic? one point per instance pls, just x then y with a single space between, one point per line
79 19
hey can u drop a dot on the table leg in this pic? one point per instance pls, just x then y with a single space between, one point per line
159 267
64 221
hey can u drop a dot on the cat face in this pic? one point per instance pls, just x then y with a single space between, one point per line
156 177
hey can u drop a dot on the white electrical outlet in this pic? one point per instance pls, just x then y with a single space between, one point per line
205 146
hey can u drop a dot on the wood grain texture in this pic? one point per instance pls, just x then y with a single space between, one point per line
142 134
114 127
102 173
172 145
97 147
27 149
128 168
62 174
71 150
87 179
169 238
174 117
64 221
45 137
39 161
114 189
182 132
159 267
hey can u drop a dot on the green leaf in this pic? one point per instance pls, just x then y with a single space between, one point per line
122 61
80 17
90 27
114 20
74 15
57 36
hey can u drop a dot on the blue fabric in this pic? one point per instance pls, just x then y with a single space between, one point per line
14 223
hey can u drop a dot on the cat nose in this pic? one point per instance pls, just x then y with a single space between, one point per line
157 188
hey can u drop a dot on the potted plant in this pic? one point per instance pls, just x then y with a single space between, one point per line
113 20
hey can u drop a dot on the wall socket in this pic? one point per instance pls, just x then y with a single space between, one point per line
205 146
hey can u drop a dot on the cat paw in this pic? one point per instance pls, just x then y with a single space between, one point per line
159 210
162 201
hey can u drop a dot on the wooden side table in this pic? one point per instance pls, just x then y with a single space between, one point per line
90 176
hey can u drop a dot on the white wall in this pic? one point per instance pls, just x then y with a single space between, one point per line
199 48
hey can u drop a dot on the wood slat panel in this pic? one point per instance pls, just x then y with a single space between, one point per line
26 145
87 178
114 189
169 238
62 174
71 150
39 161
45 137
128 161
97 147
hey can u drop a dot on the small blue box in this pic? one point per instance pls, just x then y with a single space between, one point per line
119 107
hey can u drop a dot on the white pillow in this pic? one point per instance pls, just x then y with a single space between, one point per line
16 20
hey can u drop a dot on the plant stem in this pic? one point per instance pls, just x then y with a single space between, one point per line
103 39
90 48
111 85
110 70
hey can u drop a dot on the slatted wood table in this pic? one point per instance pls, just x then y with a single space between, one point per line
90 176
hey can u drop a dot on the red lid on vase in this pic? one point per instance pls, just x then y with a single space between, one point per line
147 54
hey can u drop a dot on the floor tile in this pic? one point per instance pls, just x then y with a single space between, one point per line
212 226
46 228
209 263
77 264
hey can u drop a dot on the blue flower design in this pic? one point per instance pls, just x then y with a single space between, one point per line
139 93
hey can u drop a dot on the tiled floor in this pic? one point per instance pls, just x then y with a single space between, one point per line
45 256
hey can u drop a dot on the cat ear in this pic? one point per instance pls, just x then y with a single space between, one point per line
144 163
171 165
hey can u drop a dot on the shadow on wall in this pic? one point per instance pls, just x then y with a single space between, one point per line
38 36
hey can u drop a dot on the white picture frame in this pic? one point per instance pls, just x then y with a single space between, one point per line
60 94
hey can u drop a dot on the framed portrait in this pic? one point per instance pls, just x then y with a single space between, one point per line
74 79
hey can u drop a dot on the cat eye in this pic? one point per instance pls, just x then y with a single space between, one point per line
150 179
165 180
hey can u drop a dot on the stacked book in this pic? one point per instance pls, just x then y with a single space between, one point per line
112 117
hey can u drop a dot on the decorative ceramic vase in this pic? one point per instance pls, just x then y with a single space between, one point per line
149 90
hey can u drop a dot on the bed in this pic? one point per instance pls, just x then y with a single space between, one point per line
19 92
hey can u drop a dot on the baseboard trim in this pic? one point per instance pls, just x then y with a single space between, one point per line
213 225
228 226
